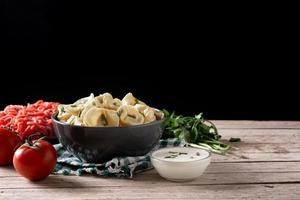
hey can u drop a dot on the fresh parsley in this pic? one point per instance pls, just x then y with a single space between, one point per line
196 131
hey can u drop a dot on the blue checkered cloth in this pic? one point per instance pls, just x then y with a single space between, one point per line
67 164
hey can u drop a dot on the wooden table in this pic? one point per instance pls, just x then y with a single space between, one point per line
266 165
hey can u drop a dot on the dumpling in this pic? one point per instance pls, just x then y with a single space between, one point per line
158 114
82 100
147 112
63 116
112 117
130 116
129 99
74 120
104 110
73 109
93 117
149 115
110 103
87 106
116 103
140 107
107 101
100 117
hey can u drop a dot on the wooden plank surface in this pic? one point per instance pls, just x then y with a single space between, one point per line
224 192
247 124
148 179
217 167
258 145
265 165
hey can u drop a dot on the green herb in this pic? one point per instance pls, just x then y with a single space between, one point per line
62 109
142 114
171 156
196 131
136 101
179 153
119 112
234 139
132 116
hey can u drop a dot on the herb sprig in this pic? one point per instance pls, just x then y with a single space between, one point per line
196 131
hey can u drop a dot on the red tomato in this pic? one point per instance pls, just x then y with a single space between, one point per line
35 160
9 142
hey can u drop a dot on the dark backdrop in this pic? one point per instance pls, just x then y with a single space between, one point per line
229 67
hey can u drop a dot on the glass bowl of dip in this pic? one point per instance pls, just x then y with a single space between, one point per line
180 163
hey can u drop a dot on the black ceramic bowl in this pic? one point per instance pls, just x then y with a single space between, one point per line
100 144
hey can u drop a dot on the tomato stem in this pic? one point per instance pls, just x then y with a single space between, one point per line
30 138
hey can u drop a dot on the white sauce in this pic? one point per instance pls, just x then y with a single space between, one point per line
180 154
180 163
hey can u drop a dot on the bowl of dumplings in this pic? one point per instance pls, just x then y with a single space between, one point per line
96 129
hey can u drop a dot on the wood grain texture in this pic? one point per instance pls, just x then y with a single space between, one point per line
238 192
247 124
146 180
218 167
265 165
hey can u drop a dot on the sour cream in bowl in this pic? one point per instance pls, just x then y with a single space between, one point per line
180 163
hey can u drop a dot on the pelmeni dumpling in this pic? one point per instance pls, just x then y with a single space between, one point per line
130 116
100 117
141 107
62 115
73 109
107 101
149 115
158 114
90 103
105 111
147 112
112 118
74 120
83 100
129 99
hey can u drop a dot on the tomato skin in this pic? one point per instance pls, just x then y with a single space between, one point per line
9 142
35 162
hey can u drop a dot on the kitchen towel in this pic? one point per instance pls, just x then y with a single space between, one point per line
68 164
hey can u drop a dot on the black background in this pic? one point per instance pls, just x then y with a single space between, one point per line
229 66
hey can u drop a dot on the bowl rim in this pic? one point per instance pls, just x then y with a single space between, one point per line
152 156
54 119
